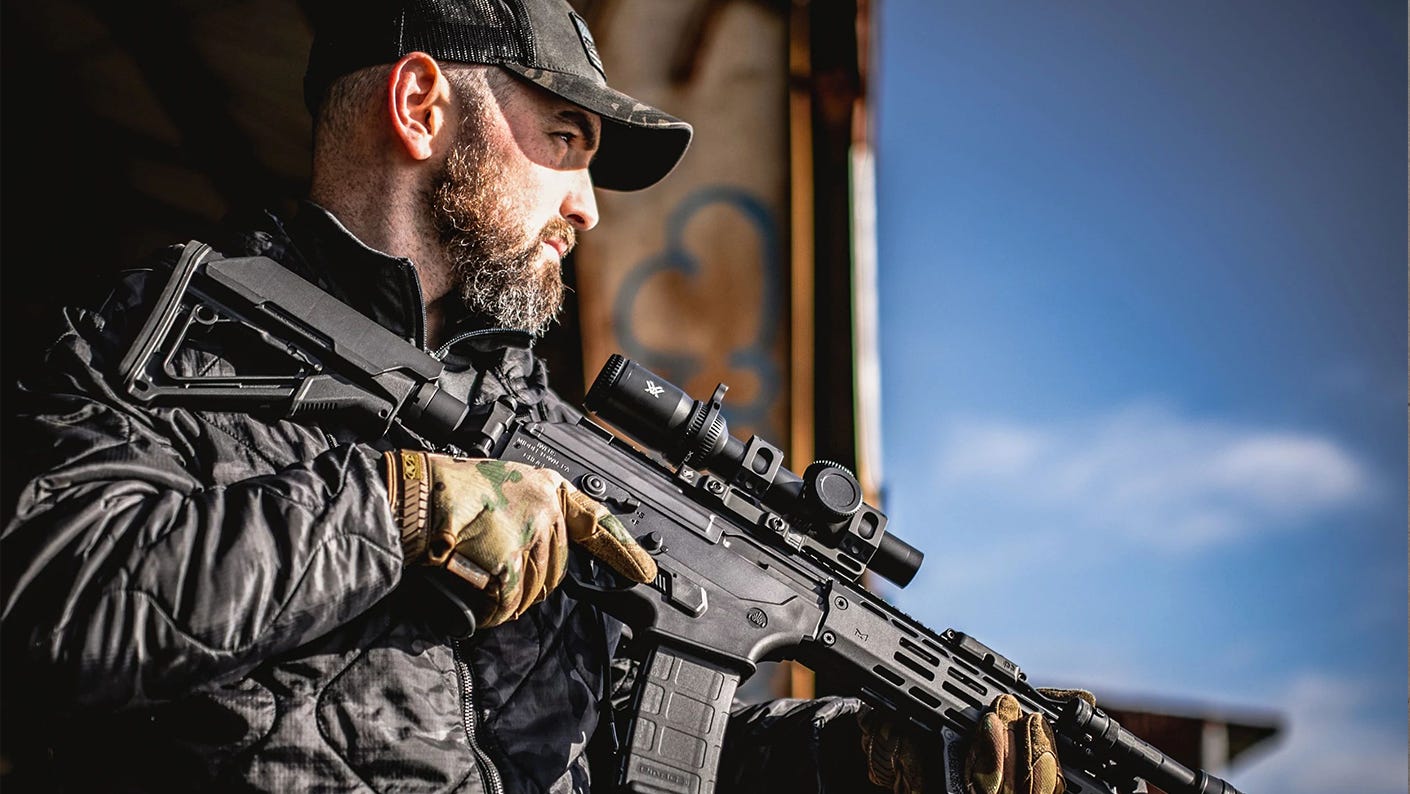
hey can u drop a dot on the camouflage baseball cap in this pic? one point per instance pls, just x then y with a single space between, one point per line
543 41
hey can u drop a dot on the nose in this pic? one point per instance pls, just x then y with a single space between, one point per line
580 204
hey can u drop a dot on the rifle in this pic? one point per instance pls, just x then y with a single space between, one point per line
756 563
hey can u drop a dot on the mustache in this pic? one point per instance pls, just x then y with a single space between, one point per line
559 229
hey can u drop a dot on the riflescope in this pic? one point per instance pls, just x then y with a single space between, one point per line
826 500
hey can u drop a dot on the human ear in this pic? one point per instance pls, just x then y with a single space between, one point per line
418 95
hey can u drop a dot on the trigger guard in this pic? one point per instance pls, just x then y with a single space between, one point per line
578 588
588 587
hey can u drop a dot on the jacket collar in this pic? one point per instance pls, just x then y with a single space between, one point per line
383 287
386 288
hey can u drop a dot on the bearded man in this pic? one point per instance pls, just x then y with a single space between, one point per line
203 601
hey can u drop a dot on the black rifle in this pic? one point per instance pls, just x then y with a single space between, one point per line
756 563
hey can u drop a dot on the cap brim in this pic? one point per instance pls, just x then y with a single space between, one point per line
640 144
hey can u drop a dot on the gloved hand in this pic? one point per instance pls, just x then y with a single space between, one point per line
502 526
1009 752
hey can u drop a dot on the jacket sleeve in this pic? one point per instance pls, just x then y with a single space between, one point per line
134 569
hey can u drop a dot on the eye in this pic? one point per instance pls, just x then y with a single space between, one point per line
566 136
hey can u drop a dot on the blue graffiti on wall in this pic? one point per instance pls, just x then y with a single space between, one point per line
756 356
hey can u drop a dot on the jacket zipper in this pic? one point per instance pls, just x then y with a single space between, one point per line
440 352
469 721
420 304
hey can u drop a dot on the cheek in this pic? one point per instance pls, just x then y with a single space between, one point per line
540 195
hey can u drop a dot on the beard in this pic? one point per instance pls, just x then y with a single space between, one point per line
500 271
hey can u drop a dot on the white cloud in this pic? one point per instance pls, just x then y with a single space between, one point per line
1148 474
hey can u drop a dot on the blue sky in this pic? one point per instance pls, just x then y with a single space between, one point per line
1142 272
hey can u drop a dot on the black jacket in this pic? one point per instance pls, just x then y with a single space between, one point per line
202 601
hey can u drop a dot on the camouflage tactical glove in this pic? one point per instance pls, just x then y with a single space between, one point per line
502 526
1009 752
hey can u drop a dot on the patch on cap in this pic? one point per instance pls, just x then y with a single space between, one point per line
589 46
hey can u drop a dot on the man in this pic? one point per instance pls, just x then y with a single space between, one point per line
201 601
